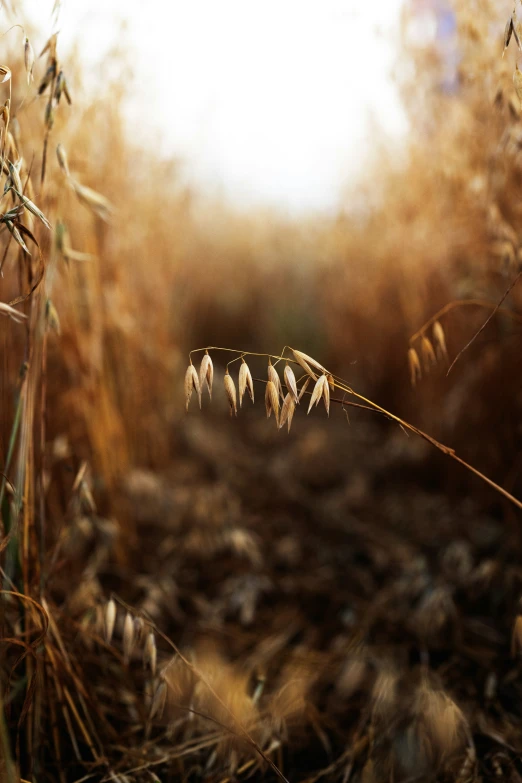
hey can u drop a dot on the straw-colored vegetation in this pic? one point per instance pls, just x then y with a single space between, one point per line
204 597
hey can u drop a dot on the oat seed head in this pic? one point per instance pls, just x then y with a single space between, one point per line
110 619
191 384
150 653
290 382
415 366
245 382
273 376
128 637
272 401
206 373
318 392
439 339
428 354
230 390
287 411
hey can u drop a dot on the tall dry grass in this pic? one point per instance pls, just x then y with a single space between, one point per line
115 293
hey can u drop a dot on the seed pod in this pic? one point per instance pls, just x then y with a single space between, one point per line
150 653
28 60
272 401
206 373
290 382
517 81
326 395
440 341
230 390
274 377
318 392
158 702
62 159
5 73
428 354
415 367
110 619
245 382
287 411
128 637
191 384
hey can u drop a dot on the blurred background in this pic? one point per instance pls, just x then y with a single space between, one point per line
333 176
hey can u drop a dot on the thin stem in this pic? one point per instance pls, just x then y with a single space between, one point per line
462 303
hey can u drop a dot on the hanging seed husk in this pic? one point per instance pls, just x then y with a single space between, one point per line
94 201
12 313
191 384
331 382
287 411
158 702
303 389
290 382
52 318
206 373
326 395
110 619
5 73
150 653
440 341
306 362
62 159
272 401
28 60
317 392
230 389
415 366
507 34
128 637
245 382
428 354
28 204
274 377
517 81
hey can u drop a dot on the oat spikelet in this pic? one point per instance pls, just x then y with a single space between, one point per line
318 392
290 382
305 361
128 637
287 411
62 159
415 367
5 73
274 377
507 34
110 619
28 60
206 373
517 81
272 401
150 653
303 389
439 339
230 389
6 309
158 702
245 382
94 201
428 354
191 384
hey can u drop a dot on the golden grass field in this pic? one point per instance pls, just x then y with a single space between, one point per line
204 596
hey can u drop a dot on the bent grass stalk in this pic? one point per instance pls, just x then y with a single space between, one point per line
338 383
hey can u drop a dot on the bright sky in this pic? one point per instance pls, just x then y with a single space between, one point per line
265 100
